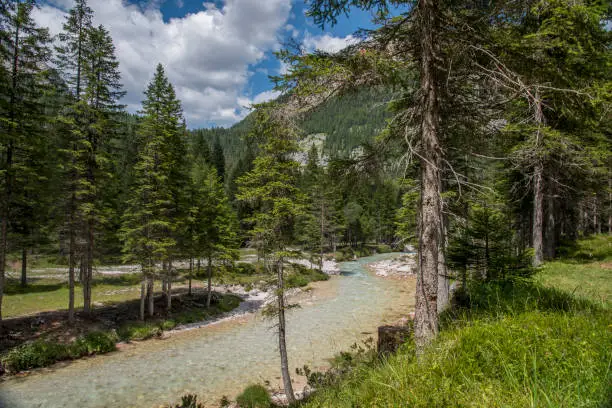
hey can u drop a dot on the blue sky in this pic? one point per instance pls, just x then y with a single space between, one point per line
217 54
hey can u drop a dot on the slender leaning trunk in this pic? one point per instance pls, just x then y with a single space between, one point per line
282 344
209 273
426 310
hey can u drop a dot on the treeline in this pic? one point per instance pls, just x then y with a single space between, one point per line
84 179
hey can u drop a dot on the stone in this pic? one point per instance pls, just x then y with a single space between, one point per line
391 337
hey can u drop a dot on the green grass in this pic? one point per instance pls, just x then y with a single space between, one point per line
545 342
50 294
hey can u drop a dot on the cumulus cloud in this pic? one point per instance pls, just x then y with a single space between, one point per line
206 54
327 42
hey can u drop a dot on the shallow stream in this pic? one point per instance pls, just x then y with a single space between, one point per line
221 359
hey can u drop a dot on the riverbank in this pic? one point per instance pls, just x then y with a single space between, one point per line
523 343
400 267
41 339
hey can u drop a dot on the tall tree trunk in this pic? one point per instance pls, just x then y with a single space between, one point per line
71 259
190 274
538 193
609 204
550 241
143 295
88 267
24 267
3 241
164 284
169 287
209 274
443 273
151 296
282 344
322 241
426 310
538 217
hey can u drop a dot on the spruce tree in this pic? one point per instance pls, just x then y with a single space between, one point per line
74 119
25 53
149 228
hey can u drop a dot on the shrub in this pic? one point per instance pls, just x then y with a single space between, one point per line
138 331
39 353
94 343
245 269
228 303
254 396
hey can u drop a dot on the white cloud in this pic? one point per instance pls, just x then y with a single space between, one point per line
327 43
206 54
266 96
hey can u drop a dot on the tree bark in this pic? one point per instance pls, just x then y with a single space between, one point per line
426 310
538 217
151 297
443 277
322 240
209 274
71 261
550 240
88 268
282 344
142 298
169 287
190 274
24 267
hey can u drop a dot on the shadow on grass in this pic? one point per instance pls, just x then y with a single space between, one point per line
508 298
15 288
592 249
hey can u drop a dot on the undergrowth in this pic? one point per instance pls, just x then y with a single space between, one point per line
41 353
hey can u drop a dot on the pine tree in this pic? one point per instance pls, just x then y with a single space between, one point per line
25 52
71 61
271 188
148 224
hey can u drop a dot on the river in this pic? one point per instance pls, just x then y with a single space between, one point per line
221 359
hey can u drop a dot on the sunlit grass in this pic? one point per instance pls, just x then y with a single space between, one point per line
546 343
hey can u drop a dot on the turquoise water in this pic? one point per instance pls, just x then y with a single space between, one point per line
223 358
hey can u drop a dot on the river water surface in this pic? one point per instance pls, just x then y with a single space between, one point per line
223 358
